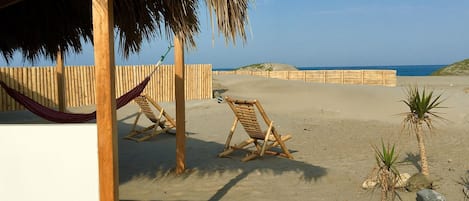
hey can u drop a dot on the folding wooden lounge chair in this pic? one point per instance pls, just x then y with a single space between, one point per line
245 113
160 124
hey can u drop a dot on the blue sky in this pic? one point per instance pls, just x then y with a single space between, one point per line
323 33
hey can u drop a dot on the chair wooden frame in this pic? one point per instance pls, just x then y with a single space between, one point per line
245 114
161 123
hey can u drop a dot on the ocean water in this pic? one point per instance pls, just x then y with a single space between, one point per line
402 70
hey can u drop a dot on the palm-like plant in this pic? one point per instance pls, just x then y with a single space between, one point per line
465 184
421 105
387 174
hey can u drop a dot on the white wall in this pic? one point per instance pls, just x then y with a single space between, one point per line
49 162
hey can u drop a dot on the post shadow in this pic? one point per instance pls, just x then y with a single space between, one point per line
157 157
414 160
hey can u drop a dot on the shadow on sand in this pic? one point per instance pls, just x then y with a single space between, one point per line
413 159
155 158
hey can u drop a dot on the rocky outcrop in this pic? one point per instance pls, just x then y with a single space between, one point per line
268 67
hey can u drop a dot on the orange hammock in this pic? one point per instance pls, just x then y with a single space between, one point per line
63 117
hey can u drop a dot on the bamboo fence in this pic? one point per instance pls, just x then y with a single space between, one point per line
39 83
360 77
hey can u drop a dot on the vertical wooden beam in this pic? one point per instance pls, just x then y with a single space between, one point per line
60 81
180 104
103 25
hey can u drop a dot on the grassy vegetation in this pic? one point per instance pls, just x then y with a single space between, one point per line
258 66
458 68
388 175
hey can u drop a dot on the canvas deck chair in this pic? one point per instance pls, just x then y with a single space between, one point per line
161 123
245 113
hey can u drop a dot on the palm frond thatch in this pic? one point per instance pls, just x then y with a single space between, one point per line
66 24
231 17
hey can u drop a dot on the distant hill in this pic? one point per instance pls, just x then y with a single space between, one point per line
458 68
268 67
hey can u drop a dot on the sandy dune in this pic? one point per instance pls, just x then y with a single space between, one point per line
332 126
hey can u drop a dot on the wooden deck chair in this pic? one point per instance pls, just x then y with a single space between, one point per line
245 113
161 123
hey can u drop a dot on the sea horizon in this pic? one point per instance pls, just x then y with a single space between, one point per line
401 70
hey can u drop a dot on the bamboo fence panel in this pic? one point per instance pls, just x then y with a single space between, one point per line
3 96
24 82
318 76
279 74
261 73
353 77
364 77
373 77
188 77
54 99
68 83
71 83
334 76
297 75
40 83
208 85
17 83
390 78
14 84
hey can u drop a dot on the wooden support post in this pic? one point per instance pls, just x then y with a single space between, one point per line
363 77
60 81
383 78
324 76
180 104
103 34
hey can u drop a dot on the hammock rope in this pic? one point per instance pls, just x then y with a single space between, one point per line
64 117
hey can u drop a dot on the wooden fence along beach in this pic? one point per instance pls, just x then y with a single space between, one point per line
40 84
362 77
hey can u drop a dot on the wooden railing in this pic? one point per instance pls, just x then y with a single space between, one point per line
40 84
361 77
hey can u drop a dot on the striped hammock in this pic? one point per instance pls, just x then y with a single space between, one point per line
63 117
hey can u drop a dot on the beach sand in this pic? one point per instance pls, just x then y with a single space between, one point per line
333 128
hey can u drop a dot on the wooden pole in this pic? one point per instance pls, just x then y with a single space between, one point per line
103 25
60 81
180 104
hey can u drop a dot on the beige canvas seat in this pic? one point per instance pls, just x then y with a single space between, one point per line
245 113
160 123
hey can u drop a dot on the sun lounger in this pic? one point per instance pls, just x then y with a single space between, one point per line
245 113
160 124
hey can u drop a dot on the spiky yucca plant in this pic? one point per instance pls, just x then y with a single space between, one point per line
465 184
387 174
421 105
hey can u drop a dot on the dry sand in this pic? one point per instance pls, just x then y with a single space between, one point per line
332 126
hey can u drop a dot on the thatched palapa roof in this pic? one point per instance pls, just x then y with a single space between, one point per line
41 27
